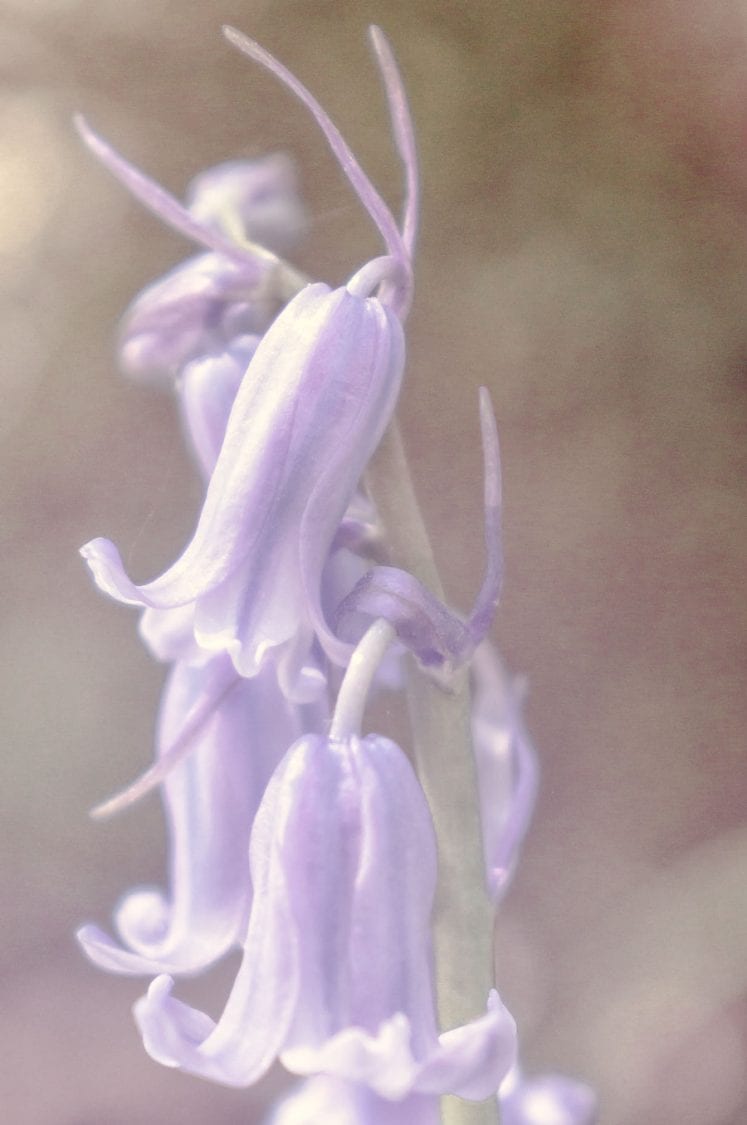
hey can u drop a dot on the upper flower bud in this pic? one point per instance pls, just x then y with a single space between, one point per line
257 199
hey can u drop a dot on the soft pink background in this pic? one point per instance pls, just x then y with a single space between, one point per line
583 253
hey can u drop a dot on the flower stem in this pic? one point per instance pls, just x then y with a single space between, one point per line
353 693
442 743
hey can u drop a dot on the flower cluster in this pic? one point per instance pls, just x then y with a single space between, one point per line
294 837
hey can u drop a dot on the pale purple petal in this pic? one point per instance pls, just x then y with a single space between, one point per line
210 798
550 1099
468 1061
169 634
423 623
332 1101
262 195
207 388
507 767
336 974
309 413
197 309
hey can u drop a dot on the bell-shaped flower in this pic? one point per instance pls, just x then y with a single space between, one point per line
549 1099
219 740
335 1102
310 411
312 407
336 976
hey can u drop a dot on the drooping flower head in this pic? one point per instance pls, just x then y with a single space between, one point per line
313 404
336 976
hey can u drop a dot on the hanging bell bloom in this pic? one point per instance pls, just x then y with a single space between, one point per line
219 740
336 970
334 1102
311 409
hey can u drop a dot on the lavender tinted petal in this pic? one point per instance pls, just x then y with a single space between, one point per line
310 411
336 1102
422 622
195 310
207 389
337 965
261 194
210 799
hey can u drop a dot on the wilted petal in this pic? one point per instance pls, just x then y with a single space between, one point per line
310 411
210 797
550 1099
507 768
336 974
332 1101
261 196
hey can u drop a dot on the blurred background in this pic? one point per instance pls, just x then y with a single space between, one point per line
583 253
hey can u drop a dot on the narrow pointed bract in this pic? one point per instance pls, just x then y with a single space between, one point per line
336 974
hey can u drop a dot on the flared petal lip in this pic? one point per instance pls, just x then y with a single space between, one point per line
469 1061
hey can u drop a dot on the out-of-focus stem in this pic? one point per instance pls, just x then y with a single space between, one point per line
442 745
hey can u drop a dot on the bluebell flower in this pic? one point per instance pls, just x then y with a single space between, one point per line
312 406
336 974
229 734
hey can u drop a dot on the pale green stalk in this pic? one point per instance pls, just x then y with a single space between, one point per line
442 748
